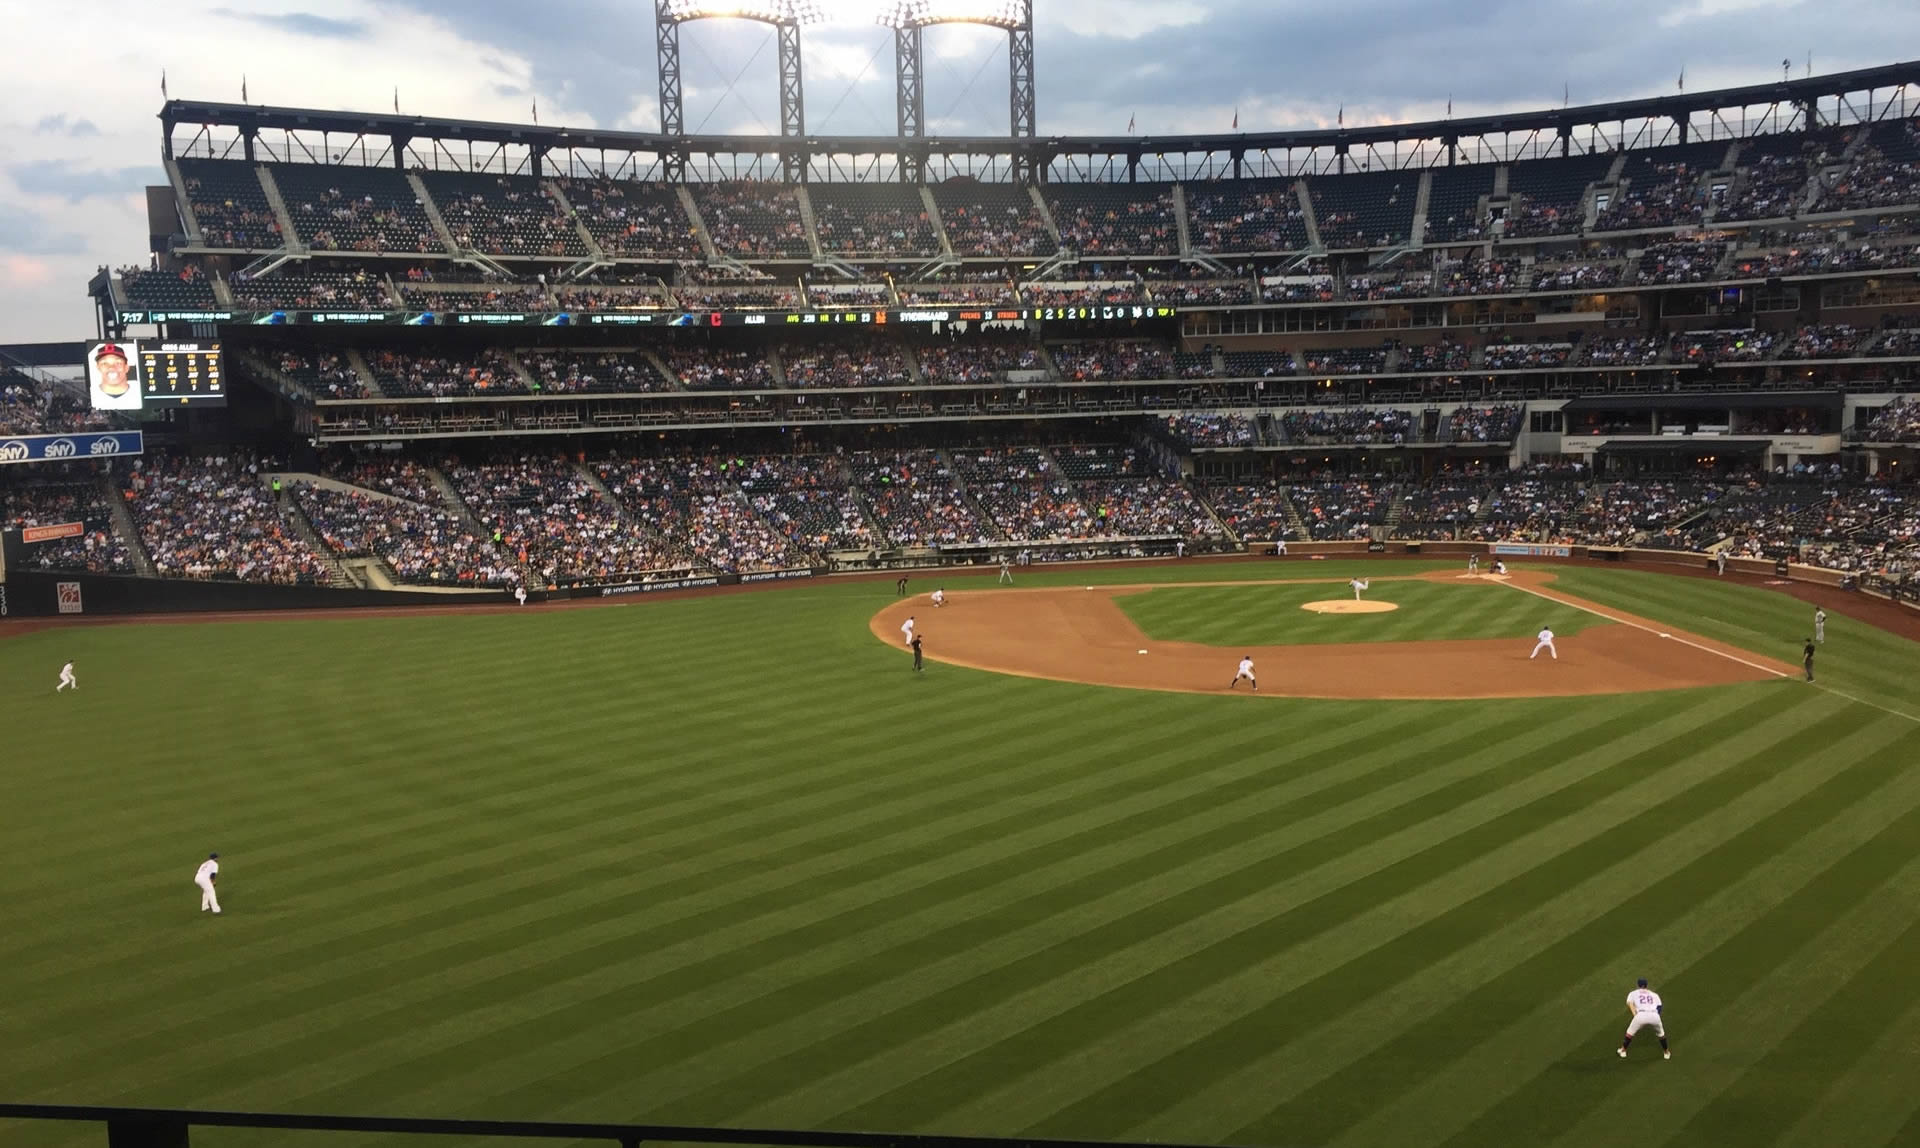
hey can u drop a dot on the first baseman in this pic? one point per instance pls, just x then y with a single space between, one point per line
204 877
1644 1004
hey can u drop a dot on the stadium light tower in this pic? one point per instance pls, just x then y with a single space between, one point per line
907 18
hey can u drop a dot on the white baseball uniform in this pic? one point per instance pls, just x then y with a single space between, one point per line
203 877
906 631
1280 548
1645 1004
939 597
520 594
1358 586
1819 625
1006 571
1545 643
66 678
1246 671
1720 560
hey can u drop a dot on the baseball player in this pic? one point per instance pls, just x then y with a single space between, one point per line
1279 548
1720 562
1545 643
67 678
906 631
940 597
1246 671
1644 1004
900 587
1179 549
1358 585
1820 626
1473 564
1806 656
1499 566
520 594
916 654
1006 571
204 877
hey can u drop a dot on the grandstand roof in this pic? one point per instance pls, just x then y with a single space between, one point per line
1707 399
249 117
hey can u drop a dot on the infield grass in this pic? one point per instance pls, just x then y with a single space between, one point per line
727 860
1276 615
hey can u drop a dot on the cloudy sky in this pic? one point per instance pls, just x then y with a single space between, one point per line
77 144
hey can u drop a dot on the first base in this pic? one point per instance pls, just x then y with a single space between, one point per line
1143 651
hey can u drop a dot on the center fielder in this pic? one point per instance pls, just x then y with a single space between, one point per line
1644 1004
204 877
67 678
1545 643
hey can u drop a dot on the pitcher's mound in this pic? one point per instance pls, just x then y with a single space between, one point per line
1348 606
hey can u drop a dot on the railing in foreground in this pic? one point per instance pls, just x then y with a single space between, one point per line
170 1128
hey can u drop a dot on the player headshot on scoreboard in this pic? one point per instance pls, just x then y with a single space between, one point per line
113 378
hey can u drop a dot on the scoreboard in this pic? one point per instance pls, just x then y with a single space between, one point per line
182 374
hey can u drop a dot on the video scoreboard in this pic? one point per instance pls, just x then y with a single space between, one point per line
182 374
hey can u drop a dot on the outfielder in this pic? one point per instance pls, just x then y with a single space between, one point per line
1358 585
204 877
1246 671
1720 562
906 630
67 678
1644 1004
1545 643
1820 626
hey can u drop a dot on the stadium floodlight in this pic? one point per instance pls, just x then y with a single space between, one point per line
1009 14
767 11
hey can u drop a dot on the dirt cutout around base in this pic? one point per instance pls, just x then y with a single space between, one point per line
1348 606
1082 635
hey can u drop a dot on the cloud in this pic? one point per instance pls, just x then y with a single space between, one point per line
301 24
26 233
64 179
59 125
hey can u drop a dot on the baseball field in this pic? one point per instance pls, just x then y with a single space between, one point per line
729 860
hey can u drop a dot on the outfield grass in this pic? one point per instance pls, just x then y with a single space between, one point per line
1274 615
727 860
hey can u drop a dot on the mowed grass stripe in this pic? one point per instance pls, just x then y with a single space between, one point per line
1273 614
1868 1087
1316 1046
1327 1031
1535 1117
887 915
438 963
1071 913
1518 881
1752 1074
1046 1033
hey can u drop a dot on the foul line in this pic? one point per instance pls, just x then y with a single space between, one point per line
1648 629
1865 702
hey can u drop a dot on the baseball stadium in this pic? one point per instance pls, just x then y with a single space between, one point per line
664 636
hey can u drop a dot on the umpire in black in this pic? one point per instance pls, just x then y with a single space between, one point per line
917 666
1806 656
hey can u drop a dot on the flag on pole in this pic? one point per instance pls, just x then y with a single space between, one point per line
1129 123
1341 119
1681 83
1449 106
243 87
1566 93
396 99
536 109
1809 63
163 83
1236 119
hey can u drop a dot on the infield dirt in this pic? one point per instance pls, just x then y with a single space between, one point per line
1082 635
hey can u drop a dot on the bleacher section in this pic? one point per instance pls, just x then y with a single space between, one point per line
365 209
1364 209
1453 202
752 220
1254 215
230 204
869 220
633 220
1661 187
991 219
502 215
1100 219
1551 192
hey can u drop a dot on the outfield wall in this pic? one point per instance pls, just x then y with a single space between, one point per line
40 594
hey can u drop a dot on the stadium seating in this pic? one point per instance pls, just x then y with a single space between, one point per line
866 361
312 290
1114 359
551 517
633 220
866 220
1680 261
503 215
99 549
1252 511
720 369
1661 187
214 518
1348 426
809 499
752 220
426 544
1453 203
1254 216
230 204
183 290
1444 506
1364 209
1102 219
1214 430
568 372
1343 508
341 208
1772 179
28 406
915 500
1550 193
976 361
991 219
1886 173
1344 360
406 375
326 375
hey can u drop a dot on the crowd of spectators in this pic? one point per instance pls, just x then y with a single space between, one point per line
28 406
235 216
1334 509
507 216
549 517
1483 424
405 375
1444 506
1114 359
1822 341
1745 345
325 374
214 517
98 549
1770 188
1349 425
632 220
1214 430
976 362
1532 504
806 498
754 220
1624 351
592 372
1898 421
310 291
868 361
1680 261
1444 356
1252 510
422 542
1876 180
1513 355
915 498
720 369
1146 508
1662 195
